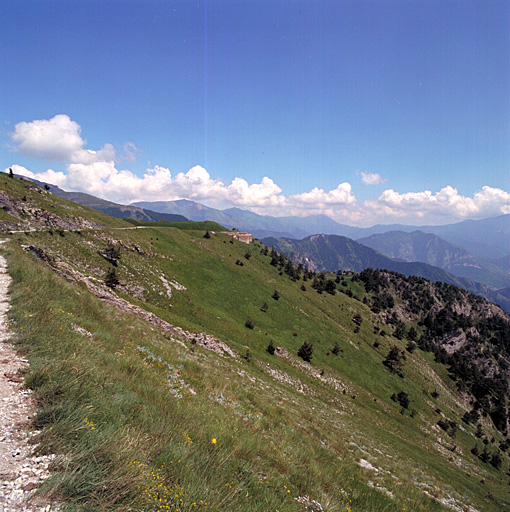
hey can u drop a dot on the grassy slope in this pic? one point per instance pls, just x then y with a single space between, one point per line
205 225
119 404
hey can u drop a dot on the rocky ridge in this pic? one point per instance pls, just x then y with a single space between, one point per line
26 215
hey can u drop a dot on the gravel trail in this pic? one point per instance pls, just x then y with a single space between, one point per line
20 471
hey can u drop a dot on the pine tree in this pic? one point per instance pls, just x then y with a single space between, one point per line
394 360
330 287
111 280
496 460
274 257
305 352
403 399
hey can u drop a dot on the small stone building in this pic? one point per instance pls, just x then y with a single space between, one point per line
246 238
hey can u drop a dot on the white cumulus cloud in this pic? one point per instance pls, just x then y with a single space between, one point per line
441 206
104 180
316 198
58 140
266 193
49 176
95 172
129 152
371 178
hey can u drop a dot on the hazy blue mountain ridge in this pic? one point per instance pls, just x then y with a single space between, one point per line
332 253
259 225
112 209
485 238
431 249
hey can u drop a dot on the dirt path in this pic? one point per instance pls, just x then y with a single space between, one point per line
20 471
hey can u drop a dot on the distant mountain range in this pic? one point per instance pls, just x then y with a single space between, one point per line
119 211
332 252
486 238
259 226
431 249
478 250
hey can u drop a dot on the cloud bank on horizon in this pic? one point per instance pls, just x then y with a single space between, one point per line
96 172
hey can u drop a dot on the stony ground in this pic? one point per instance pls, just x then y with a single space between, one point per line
20 471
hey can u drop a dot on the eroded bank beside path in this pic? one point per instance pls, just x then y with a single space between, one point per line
20 471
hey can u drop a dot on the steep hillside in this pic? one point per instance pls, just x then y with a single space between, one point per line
469 334
24 205
419 246
329 253
503 263
433 250
179 372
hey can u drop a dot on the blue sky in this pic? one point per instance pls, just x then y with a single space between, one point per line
368 111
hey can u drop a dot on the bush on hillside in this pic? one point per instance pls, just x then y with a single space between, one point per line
400 331
111 254
411 347
111 280
449 426
496 460
305 351
394 360
403 399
